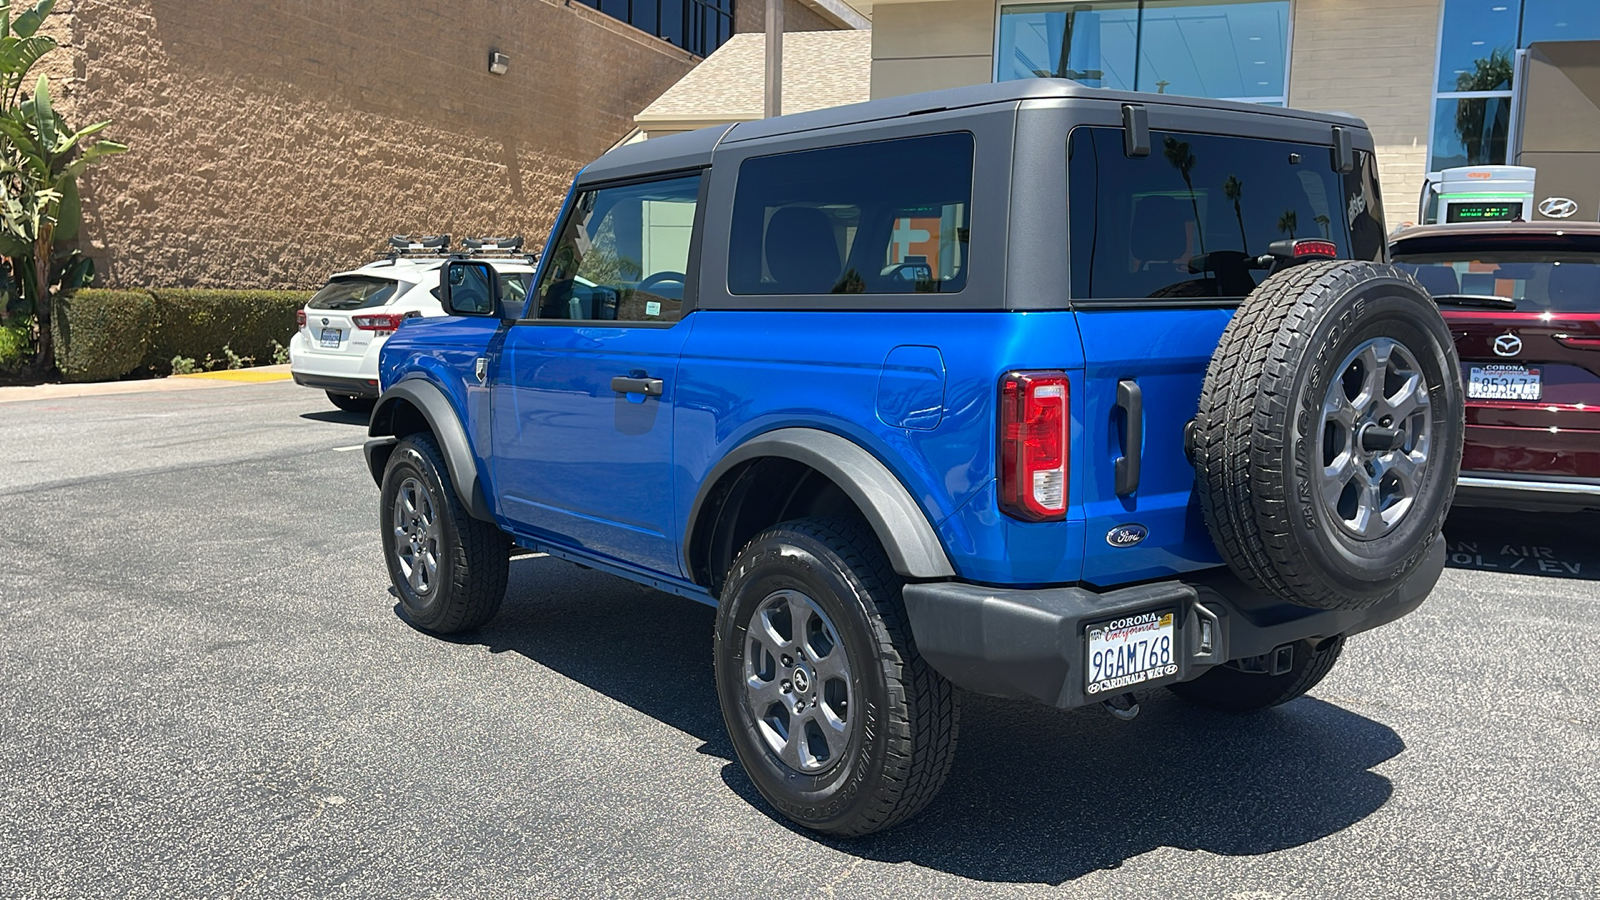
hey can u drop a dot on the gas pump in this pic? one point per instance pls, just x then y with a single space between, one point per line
1478 194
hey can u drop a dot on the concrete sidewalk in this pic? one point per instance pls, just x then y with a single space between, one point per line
197 381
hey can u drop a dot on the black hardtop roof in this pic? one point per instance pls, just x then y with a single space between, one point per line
693 149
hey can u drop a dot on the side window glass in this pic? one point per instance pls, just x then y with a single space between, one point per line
889 217
1363 210
1190 219
623 254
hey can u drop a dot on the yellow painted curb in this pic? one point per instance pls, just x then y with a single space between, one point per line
239 375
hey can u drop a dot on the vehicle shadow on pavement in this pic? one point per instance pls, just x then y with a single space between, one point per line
1036 795
338 417
1546 544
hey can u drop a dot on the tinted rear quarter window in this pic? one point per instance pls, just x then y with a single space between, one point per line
1187 221
888 217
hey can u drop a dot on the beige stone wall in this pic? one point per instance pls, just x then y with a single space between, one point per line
275 141
1374 59
751 15
931 45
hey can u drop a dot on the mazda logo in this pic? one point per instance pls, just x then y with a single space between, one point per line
1557 207
1507 345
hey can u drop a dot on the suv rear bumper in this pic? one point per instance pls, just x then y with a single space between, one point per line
1032 643
338 384
1507 491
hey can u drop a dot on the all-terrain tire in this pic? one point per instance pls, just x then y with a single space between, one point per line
1232 690
1277 471
903 716
456 574
351 403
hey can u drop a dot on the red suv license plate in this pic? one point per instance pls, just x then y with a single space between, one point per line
1504 381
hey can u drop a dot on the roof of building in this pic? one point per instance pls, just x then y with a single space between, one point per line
820 69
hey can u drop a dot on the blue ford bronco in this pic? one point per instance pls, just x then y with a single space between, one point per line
1028 389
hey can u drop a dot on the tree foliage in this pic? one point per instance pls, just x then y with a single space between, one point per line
41 160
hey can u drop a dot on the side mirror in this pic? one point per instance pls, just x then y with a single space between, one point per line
469 288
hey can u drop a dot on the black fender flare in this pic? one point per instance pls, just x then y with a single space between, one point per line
907 536
440 414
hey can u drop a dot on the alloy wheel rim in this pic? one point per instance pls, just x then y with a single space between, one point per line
797 683
416 536
1376 437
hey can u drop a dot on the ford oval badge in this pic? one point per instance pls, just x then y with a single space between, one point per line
1126 535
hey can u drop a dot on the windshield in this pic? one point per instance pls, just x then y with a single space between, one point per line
358 292
1538 281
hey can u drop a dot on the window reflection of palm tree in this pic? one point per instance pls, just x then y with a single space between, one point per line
1289 221
1472 115
1323 222
1233 189
1182 158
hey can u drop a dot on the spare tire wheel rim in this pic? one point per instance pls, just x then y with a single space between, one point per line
797 683
1376 436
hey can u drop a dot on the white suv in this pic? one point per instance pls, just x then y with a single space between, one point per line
345 324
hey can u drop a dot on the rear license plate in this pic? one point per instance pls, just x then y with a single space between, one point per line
1130 651
331 336
1504 381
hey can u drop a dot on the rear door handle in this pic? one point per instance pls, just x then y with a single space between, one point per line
1130 399
624 384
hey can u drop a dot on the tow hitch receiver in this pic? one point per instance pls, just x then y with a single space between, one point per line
1123 706
1278 662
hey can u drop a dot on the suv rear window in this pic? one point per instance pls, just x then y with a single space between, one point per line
357 292
1188 220
1539 281
889 217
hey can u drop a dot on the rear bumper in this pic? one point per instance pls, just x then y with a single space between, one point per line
1503 490
1033 643
338 384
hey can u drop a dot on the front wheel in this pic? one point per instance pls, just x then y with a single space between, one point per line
448 568
837 719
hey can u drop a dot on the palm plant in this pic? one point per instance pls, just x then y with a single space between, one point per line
1233 189
41 159
1183 159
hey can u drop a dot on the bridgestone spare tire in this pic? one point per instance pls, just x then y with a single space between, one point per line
1328 439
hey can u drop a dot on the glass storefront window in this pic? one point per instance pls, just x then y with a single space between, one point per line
1478 43
1226 50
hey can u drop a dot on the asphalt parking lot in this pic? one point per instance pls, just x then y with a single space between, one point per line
208 692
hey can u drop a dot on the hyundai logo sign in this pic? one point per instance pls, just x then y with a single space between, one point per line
1557 207
1507 345
1126 535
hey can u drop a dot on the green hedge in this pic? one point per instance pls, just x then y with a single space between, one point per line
102 335
15 342
198 322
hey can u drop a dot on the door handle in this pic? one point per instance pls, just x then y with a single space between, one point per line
1130 399
625 384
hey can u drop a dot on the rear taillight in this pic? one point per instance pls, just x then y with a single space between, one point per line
300 317
381 323
1033 445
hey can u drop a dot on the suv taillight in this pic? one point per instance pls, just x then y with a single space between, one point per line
382 323
1033 445
300 317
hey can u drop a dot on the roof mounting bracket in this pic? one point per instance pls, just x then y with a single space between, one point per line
1344 154
1135 130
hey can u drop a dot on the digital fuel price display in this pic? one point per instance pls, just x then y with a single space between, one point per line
1498 211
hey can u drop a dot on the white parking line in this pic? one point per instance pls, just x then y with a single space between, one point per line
347 449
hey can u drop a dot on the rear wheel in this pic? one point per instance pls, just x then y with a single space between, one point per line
836 718
448 568
351 402
1231 688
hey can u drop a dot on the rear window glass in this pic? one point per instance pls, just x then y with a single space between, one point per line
889 217
1567 282
354 293
1190 219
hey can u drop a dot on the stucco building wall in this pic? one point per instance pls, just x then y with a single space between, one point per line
275 141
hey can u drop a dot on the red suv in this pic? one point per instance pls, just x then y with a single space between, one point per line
1523 302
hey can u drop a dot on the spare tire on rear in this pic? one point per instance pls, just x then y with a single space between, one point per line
1328 439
